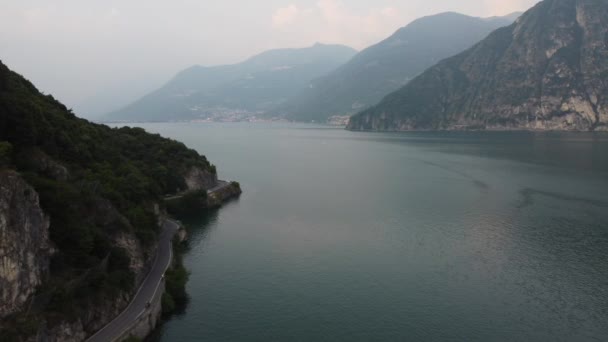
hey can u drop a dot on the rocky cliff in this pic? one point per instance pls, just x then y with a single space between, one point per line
25 256
200 179
79 213
547 71
25 248
97 316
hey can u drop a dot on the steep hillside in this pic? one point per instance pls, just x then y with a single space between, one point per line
80 206
548 71
385 67
256 85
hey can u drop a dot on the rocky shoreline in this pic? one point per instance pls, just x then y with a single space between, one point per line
476 129
24 266
215 199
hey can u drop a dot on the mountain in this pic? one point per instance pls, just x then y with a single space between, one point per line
80 206
510 17
256 85
547 71
385 67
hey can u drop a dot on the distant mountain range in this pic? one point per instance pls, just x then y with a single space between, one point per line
547 71
259 84
387 66
311 84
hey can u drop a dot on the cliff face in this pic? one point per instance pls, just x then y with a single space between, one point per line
548 71
99 315
25 248
199 179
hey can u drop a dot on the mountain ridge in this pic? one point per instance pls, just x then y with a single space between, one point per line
386 66
547 71
254 85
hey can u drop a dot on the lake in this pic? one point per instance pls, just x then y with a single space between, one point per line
344 236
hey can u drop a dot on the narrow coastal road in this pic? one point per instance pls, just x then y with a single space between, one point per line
147 290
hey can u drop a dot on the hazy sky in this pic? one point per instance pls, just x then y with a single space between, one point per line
95 55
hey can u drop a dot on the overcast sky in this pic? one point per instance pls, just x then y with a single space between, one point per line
95 55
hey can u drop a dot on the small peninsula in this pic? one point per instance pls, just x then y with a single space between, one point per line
85 228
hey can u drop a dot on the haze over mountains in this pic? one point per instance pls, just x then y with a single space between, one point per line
390 64
547 71
257 85
311 84
86 210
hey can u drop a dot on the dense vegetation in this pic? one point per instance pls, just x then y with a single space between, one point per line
94 182
175 297
6 151
187 205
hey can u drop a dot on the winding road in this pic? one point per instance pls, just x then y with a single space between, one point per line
147 290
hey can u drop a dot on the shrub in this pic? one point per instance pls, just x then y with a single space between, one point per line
6 150
168 304
176 279
188 205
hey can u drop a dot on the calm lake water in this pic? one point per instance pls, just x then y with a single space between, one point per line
343 236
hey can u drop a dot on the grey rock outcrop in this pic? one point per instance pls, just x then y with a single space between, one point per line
216 198
25 248
547 71
96 317
199 179
45 165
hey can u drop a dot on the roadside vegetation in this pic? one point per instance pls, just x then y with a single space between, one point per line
94 182
175 297
189 205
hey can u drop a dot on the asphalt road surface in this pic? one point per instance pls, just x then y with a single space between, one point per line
146 292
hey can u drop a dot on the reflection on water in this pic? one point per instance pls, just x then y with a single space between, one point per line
528 195
462 236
